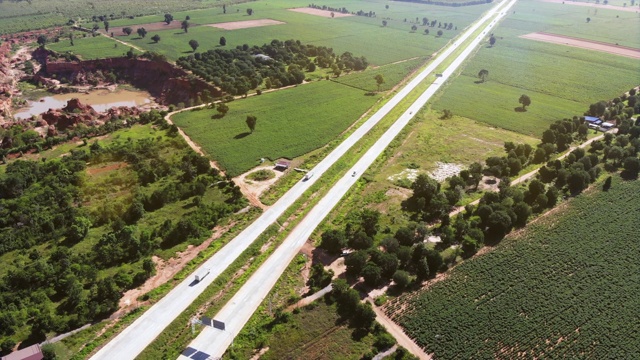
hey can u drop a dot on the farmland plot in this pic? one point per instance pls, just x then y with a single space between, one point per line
568 286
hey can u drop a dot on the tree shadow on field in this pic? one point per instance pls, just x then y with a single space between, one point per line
188 52
519 109
240 136
478 82
179 33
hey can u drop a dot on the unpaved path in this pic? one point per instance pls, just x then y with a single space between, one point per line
396 331
166 270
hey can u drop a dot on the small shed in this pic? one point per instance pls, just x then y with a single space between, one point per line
29 353
282 165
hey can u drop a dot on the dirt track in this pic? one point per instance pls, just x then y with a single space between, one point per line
584 44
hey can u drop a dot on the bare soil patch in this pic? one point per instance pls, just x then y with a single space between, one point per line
253 189
318 12
102 169
599 6
235 25
155 26
584 44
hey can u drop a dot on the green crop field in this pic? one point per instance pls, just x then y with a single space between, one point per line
392 74
561 81
360 35
568 287
291 122
89 47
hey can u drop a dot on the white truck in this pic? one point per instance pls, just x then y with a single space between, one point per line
307 176
201 274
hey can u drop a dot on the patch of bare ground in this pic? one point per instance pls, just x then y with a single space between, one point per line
584 44
257 355
319 12
165 271
253 189
246 24
399 192
110 167
599 6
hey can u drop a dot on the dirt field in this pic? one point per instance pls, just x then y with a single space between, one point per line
318 12
235 25
155 26
599 6
584 44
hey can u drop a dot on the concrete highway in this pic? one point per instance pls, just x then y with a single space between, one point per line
212 343
137 336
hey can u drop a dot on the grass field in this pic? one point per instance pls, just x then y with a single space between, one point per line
89 48
392 74
568 286
362 36
290 123
560 80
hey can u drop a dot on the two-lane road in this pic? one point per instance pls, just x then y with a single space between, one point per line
212 343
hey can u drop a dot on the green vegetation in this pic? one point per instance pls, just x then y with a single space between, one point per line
261 175
282 130
392 75
88 48
92 228
557 78
562 286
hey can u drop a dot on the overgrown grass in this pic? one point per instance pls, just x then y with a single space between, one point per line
291 122
391 73
565 283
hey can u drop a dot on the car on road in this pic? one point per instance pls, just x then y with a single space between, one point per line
307 176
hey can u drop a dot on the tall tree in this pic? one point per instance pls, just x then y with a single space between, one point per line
483 75
106 26
379 80
223 41
155 38
142 32
249 11
384 22
168 18
492 40
127 31
525 101
251 122
185 26
194 44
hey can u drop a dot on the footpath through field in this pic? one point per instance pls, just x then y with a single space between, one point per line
136 337
212 343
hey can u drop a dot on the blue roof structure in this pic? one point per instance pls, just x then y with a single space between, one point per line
591 119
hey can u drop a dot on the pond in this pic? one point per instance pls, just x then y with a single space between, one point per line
100 100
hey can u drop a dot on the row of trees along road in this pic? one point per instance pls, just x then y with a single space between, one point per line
277 64
405 257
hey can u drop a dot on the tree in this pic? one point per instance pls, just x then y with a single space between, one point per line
384 22
588 20
425 187
142 32
632 166
185 26
333 241
440 33
492 40
127 31
379 80
155 38
168 18
525 101
223 41
426 31
360 240
332 15
249 11
372 274
413 28
483 75
106 26
251 122
222 109
364 316
355 262
401 279
42 40
194 44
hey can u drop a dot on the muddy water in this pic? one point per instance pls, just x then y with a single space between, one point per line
100 100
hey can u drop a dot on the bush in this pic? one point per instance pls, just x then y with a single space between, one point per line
384 341
261 175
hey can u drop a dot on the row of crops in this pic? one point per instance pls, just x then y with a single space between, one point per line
568 287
